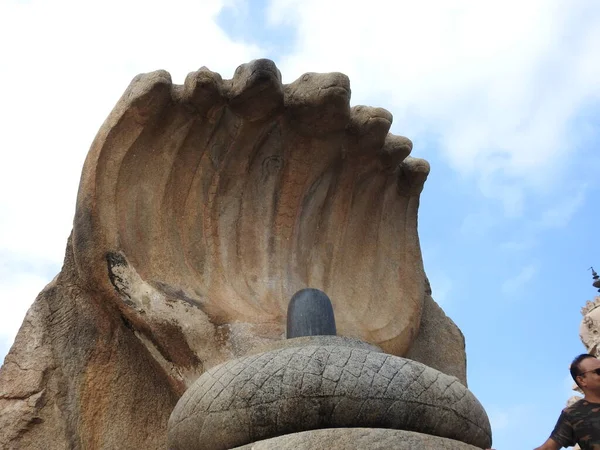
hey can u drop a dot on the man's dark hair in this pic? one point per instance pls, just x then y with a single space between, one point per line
574 369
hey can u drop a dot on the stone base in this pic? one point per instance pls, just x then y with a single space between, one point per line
355 438
302 388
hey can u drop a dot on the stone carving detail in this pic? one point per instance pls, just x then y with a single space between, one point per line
589 330
201 209
322 386
231 195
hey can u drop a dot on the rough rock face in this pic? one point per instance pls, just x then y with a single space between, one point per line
78 377
202 208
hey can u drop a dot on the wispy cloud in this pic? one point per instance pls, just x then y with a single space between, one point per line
518 245
560 214
502 104
505 418
557 214
518 282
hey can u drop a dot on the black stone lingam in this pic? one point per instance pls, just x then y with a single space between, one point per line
310 313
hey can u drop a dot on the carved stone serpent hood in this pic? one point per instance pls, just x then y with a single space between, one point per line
202 208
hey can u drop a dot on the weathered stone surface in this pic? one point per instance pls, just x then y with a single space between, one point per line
357 438
78 377
589 330
302 388
231 204
201 209
440 343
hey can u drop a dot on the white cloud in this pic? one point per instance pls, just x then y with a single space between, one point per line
502 419
560 214
498 82
498 85
63 66
516 283
557 213
521 244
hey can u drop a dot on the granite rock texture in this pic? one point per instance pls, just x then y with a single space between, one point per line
328 386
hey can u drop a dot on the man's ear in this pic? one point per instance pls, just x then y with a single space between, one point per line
581 380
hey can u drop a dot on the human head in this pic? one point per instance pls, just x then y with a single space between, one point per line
575 368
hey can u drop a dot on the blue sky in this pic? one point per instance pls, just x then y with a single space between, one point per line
502 98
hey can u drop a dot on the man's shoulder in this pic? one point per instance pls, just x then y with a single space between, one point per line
581 403
581 406
579 422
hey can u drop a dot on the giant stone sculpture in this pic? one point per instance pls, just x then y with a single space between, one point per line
321 382
201 209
